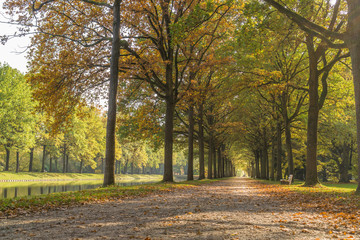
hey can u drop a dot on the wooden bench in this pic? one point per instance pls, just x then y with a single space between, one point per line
287 181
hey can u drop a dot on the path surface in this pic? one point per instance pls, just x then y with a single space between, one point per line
229 209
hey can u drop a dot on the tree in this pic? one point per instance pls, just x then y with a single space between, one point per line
16 112
85 137
337 127
273 65
335 38
157 33
134 153
59 75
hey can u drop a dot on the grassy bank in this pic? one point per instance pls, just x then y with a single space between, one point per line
345 187
340 196
13 207
323 187
70 176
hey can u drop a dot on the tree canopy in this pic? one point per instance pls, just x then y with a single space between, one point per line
261 87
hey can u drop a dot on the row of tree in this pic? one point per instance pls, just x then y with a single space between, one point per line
235 77
29 142
26 131
282 71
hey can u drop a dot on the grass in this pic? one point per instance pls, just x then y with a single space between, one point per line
52 183
69 176
323 187
341 186
13 207
327 196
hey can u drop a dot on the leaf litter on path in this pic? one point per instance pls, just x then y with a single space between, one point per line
235 208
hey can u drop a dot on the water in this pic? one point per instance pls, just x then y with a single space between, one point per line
20 189
38 188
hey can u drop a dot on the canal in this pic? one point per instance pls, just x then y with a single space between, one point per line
20 189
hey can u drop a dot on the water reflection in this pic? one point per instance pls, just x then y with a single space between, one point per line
47 188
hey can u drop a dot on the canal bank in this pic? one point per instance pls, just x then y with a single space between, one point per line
37 176
46 183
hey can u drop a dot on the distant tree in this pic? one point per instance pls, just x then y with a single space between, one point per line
338 127
17 118
85 137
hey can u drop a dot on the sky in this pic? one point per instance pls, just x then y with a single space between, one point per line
13 51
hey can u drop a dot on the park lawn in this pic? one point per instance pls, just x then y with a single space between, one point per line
52 182
342 186
23 205
323 187
326 196
327 187
70 176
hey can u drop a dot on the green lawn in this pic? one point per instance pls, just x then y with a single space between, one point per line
9 207
323 187
341 186
70 176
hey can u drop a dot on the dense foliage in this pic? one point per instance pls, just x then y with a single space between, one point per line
264 90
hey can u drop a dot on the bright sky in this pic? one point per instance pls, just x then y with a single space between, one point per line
13 51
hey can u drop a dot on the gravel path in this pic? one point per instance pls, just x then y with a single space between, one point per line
231 209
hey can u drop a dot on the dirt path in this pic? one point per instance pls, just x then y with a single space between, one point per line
230 209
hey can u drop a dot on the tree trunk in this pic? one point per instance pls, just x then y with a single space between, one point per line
223 161
273 158
132 168
67 163
345 165
219 163
267 164
263 157
230 169
102 165
257 164
210 176
169 131
116 166
252 175
31 159
50 167
17 161
279 153
56 165
81 166
7 160
214 161
313 115
288 144
284 112
201 144
64 159
43 159
234 170
109 175
126 166
354 47
226 166
190 170
324 179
